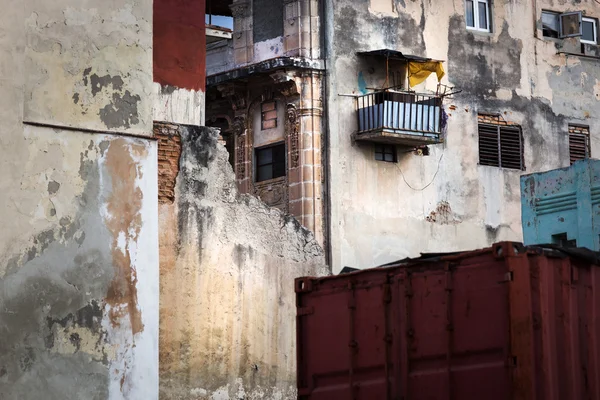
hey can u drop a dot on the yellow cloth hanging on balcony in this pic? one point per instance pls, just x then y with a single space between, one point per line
419 71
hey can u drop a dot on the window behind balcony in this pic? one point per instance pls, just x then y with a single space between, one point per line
385 152
501 145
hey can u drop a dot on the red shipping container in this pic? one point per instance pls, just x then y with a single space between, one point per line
507 322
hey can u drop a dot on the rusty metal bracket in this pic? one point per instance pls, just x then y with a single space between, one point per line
303 285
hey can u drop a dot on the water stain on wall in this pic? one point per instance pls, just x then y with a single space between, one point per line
124 222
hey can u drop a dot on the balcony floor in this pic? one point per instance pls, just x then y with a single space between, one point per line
398 137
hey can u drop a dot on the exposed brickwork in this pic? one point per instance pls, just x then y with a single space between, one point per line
493 120
579 142
169 150
579 129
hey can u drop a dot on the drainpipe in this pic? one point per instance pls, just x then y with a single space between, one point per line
326 153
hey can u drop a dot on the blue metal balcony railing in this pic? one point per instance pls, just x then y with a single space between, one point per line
405 113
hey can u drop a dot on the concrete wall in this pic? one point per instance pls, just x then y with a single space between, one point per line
228 264
78 202
219 57
446 201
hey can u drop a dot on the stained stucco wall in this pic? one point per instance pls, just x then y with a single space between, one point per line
446 201
78 246
228 264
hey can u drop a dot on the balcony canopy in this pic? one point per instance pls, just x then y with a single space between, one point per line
396 55
218 7
419 68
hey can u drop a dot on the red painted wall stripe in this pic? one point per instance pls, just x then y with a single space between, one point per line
179 53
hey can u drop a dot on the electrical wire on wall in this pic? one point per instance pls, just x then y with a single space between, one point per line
432 179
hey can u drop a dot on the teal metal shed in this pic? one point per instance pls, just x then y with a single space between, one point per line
562 206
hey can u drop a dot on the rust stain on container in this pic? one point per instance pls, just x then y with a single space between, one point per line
124 222
507 322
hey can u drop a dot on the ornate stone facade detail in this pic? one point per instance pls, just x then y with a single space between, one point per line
240 161
236 95
293 132
238 126
273 192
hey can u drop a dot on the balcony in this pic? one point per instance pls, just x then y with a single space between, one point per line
401 118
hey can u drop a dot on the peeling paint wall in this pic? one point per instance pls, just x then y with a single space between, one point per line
386 211
87 66
78 202
228 264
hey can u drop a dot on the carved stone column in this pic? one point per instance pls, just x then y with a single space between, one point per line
237 95
301 28
243 43
304 121
242 159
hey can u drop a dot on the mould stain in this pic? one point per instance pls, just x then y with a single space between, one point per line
122 111
124 222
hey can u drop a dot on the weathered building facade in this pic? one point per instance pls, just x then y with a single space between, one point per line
416 166
78 245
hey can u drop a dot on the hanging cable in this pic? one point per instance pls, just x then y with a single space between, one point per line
432 179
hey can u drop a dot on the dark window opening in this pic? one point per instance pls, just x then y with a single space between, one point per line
501 146
270 162
385 152
268 115
579 143
550 24
562 240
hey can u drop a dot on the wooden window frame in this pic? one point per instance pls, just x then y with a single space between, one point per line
268 115
577 138
500 138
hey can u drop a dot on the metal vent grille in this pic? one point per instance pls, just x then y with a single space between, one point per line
501 146
579 143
